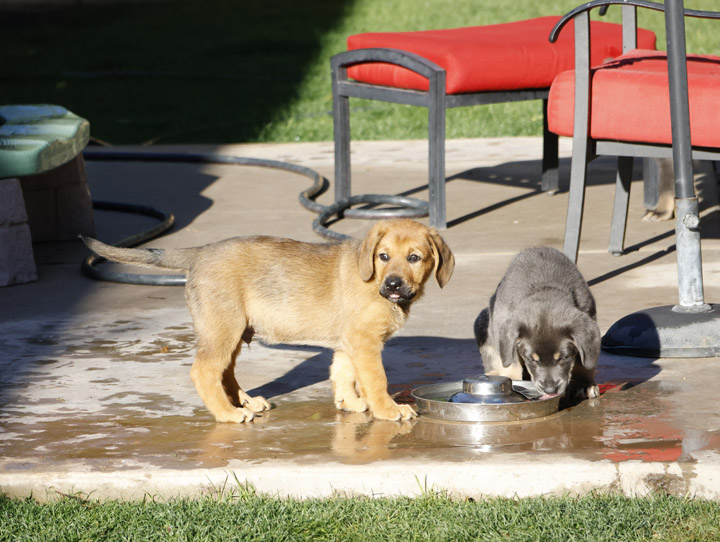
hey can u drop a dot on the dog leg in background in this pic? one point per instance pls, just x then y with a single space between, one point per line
342 376
659 196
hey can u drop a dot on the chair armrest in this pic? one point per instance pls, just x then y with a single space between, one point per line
398 57
638 3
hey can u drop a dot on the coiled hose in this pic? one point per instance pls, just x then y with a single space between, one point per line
405 207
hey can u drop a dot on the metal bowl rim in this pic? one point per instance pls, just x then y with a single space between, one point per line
479 412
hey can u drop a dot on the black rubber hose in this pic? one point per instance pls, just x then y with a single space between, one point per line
89 265
404 207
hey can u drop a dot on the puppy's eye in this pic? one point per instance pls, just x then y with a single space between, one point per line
413 258
383 257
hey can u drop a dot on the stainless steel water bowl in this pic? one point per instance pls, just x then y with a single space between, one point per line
484 398
488 390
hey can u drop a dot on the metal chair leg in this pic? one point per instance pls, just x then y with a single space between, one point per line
651 186
341 132
436 158
550 177
576 199
581 143
620 206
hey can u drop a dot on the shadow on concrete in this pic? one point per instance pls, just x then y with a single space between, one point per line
176 188
313 370
416 361
525 174
409 362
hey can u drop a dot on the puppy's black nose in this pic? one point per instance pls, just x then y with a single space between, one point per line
393 283
550 386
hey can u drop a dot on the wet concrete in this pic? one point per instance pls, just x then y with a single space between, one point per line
95 394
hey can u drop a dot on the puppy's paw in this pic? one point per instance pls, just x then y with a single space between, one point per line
586 392
256 404
394 413
236 415
352 404
407 412
658 216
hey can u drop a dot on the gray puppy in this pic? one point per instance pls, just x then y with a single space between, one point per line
541 322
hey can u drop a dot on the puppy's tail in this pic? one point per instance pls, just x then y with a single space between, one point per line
181 258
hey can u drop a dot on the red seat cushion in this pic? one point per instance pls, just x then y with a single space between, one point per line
507 56
631 100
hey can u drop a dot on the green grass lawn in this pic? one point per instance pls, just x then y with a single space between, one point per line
223 71
431 517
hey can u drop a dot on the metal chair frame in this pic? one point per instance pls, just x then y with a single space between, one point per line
585 149
691 328
437 102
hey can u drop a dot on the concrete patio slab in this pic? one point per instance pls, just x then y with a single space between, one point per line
96 398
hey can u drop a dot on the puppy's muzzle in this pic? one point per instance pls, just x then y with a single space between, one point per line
551 386
396 290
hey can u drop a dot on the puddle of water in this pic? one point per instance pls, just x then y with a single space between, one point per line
118 395
123 437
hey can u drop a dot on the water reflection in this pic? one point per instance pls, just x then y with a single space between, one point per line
646 422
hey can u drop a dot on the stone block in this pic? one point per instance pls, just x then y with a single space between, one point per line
41 211
12 205
58 203
17 263
74 212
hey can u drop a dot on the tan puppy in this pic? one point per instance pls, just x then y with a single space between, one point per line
350 297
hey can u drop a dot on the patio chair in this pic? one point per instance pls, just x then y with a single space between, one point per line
622 109
441 69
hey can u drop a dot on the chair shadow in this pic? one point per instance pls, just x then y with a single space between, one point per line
524 174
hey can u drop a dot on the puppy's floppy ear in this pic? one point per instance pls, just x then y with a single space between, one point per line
366 254
585 335
444 258
507 346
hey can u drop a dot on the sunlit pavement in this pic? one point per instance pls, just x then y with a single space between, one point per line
95 391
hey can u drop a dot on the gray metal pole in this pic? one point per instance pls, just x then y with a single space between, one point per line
687 219
691 328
